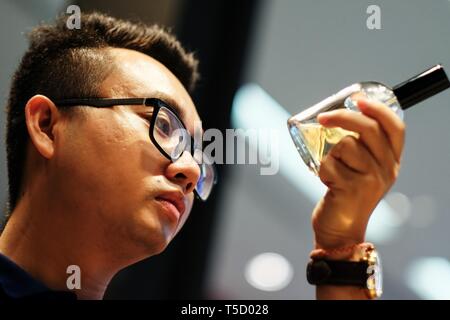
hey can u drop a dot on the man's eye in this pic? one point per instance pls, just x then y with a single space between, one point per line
163 126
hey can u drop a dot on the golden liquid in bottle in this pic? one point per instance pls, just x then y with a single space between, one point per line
319 140
313 141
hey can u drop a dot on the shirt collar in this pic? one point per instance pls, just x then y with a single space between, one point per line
17 283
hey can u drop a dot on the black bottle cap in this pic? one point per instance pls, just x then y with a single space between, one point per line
421 86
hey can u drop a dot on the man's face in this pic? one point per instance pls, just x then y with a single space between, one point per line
115 174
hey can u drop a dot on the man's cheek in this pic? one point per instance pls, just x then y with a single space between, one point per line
189 203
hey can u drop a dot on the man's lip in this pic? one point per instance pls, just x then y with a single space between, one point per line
175 198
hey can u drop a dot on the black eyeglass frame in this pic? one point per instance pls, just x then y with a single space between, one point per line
156 103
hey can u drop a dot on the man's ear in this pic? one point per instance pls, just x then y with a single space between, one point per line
41 115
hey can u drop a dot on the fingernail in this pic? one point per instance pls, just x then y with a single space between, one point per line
323 117
361 102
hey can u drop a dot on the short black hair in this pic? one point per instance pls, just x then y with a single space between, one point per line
70 63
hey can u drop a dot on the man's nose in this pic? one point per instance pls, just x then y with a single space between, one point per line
184 172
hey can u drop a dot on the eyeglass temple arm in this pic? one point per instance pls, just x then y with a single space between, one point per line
100 102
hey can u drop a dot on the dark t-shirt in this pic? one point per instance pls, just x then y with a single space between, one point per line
16 283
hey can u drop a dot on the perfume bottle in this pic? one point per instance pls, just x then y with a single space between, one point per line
313 141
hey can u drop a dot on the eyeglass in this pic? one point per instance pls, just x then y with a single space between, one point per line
167 132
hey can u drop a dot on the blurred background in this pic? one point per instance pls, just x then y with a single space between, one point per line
260 62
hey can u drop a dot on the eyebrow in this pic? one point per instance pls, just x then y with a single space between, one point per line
171 102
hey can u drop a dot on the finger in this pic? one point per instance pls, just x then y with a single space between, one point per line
354 154
389 121
334 173
370 132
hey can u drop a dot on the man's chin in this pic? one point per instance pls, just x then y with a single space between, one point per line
150 233
146 247
155 239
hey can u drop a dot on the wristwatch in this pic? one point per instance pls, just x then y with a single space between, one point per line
362 270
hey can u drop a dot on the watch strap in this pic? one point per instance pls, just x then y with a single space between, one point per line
334 272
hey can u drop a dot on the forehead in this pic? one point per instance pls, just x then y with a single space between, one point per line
139 75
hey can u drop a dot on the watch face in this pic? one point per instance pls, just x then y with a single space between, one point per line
375 279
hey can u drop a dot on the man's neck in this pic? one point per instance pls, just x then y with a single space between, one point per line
45 242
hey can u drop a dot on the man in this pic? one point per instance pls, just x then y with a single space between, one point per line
102 183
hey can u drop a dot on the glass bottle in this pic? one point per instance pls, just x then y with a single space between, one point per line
313 141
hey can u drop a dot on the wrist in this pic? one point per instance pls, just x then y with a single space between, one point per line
331 243
351 252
